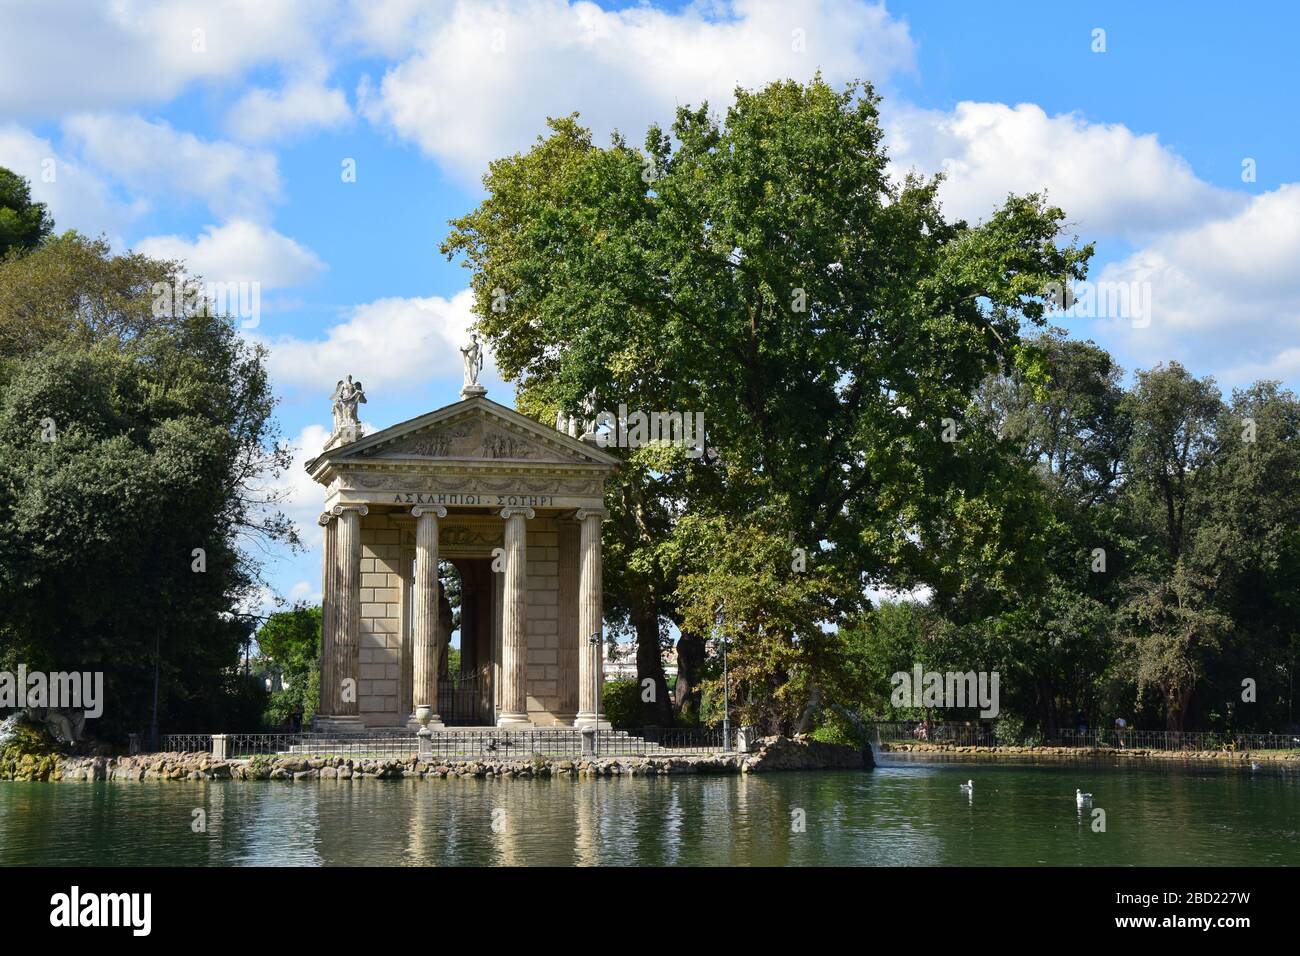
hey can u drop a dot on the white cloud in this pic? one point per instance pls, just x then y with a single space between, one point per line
77 197
1225 295
1284 367
305 591
1108 179
304 103
152 158
392 28
62 55
485 75
304 498
383 343
239 251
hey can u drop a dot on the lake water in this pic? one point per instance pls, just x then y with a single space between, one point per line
907 811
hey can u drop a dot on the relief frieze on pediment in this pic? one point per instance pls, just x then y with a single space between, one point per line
460 440
468 439
500 444
424 484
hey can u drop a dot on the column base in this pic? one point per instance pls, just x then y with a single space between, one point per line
514 722
591 722
337 724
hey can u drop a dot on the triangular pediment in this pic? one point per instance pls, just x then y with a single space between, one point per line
474 430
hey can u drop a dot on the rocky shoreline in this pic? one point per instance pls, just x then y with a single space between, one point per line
1133 753
769 754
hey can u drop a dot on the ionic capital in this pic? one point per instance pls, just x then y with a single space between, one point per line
438 510
526 512
584 513
325 518
338 510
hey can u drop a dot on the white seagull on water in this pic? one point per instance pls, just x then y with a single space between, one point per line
1082 798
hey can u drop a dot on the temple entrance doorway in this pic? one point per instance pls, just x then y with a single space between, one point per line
467 679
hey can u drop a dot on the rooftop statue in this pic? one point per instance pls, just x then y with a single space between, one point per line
348 395
473 354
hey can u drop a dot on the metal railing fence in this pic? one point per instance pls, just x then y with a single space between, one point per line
464 744
980 734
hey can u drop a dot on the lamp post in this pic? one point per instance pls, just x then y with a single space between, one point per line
726 682
726 700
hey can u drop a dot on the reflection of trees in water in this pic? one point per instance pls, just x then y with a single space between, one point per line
905 812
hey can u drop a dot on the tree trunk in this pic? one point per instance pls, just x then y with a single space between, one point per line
690 674
1177 705
805 723
658 711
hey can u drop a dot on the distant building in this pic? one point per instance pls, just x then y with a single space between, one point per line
621 663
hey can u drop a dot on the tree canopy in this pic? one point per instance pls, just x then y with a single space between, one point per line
23 224
134 447
829 322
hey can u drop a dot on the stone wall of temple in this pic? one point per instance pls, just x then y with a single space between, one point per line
381 622
543 569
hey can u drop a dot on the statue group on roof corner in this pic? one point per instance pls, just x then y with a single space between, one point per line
348 395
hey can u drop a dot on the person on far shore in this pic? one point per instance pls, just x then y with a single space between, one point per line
1120 724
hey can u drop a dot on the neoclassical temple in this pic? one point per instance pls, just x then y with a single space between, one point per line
516 507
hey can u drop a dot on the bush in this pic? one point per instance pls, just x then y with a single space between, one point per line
830 733
621 704
1011 730
27 752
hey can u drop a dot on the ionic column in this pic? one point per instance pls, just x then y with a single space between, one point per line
498 602
514 621
424 611
591 656
406 672
347 609
567 711
328 596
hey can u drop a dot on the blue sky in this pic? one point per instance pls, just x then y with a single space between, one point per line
217 132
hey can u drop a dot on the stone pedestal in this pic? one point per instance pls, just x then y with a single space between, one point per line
344 435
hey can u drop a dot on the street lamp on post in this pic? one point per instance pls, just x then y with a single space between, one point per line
597 678
726 687
726 701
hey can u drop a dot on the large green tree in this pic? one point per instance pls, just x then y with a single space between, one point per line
1174 621
289 642
1062 415
829 322
136 442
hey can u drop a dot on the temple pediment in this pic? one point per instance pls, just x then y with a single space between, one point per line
475 430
